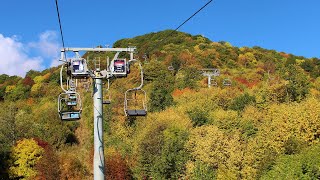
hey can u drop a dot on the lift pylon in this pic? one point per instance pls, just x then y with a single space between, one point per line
209 72
77 68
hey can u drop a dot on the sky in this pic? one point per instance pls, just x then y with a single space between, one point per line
30 36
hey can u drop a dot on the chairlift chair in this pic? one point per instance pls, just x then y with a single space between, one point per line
72 85
107 92
135 102
135 98
171 68
214 82
79 68
227 82
119 67
69 106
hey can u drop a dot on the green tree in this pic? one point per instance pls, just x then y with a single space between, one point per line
240 102
8 123
305 165
200 170
160 146
19 92
32 73
2 92
198 116
160 96
190 77
3 78
298 83
171 162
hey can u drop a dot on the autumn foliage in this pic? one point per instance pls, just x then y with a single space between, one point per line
263 125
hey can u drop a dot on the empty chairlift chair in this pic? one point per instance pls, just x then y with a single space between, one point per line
227 82
214 82
79 68
69 106
106 98
135 102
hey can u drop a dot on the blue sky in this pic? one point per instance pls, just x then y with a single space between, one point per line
29 30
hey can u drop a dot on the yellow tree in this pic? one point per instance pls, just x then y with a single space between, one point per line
23 158
221 151
247 59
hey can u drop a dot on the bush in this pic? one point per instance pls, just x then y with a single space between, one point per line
161 92
240 102
198 117
202 170
300 166
116 167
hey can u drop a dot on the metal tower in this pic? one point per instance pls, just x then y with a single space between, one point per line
77 68
209 73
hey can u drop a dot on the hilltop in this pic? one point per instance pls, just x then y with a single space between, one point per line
264 124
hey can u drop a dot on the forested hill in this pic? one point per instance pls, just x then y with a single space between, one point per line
259 120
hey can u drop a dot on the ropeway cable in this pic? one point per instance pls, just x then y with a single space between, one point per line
183 23
60 26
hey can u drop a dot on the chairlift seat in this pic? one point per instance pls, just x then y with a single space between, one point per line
72 103
214 83
136 112
69 116
72 89
80 75
72 97
226 82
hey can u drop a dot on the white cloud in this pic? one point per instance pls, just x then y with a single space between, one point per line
55 62
17 58
14 59
48 47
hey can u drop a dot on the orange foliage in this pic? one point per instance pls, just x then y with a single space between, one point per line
48 166
90 159
246 82
46 76
188 59
30 101
205 81
168 59
41 143
71 167
116 167
285 55
27 81
178 92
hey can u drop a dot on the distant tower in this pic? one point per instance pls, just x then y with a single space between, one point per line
209 72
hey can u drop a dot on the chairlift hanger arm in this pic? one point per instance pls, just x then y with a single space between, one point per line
141 73
61 83
129 49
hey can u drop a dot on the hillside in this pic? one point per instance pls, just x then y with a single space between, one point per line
264 125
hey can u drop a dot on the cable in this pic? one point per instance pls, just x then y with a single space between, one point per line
57 7
192 15
184 22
